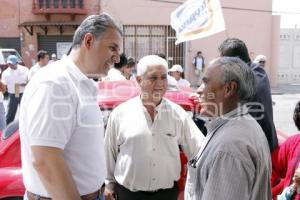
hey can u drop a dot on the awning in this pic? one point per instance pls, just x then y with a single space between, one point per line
44 26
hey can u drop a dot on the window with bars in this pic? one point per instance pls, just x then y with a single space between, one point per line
141 40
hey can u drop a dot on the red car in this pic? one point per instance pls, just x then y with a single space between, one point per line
111 94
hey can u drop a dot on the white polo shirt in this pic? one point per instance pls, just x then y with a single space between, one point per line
10 77
59 109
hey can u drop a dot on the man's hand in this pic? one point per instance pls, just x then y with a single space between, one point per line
109 194
296 177
2 87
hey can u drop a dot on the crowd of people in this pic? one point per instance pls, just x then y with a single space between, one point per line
13 81
67 154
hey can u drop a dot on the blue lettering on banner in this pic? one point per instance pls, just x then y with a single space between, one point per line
199 14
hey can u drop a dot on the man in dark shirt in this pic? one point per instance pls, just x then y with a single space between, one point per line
261 103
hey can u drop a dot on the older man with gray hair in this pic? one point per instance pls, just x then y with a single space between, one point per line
234 159
143 136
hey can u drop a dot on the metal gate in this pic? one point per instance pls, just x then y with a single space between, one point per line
11 43
141 40
49 42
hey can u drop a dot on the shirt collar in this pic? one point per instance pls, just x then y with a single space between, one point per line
81 77
218 121
158 108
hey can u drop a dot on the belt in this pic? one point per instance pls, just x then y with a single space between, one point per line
91 196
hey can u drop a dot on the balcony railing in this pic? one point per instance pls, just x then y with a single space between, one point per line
58 7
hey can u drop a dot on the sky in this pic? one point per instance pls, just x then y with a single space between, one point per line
288 6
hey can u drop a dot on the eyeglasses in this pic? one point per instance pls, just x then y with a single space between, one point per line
262 62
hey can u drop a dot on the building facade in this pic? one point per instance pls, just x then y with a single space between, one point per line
146 25
289 66
33 25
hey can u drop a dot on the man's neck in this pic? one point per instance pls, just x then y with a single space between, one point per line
150 106
78 60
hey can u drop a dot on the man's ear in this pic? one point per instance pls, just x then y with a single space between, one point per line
230 89
88 40
138 79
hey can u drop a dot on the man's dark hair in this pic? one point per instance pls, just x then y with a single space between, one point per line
96 25
199 52
123 61
233 47
41 54
131 62
297 115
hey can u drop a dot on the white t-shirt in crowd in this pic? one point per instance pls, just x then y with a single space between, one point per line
10 77
183 82
59 109
114 75
172 81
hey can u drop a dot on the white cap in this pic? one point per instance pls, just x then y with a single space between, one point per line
176 68
260 58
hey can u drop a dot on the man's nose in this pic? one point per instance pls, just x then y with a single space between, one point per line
116 58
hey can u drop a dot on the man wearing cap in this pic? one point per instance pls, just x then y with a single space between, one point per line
176 71
261 60
15 78
53 58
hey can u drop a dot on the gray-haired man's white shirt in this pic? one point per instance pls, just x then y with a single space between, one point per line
143 155
233 163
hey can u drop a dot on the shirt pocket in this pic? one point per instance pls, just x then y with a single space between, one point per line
169 143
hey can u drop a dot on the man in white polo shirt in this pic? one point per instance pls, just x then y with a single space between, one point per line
61 125
177 72
15 79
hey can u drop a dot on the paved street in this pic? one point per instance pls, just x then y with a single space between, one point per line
285 98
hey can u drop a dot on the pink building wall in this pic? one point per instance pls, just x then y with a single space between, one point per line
256 27
16 12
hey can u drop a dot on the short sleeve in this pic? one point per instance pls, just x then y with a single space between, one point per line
50 116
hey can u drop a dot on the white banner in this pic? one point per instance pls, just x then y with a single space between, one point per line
197 19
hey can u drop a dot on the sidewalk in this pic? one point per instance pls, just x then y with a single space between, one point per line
286 89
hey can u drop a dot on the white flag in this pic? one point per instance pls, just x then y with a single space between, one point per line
197 19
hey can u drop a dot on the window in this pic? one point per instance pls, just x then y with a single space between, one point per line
141 40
